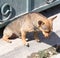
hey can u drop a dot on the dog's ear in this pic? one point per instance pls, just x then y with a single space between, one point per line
40 22
53 18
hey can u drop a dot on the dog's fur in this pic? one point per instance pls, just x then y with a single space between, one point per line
30 22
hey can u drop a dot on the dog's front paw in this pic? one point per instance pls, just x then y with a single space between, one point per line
9 41
38 40
27 44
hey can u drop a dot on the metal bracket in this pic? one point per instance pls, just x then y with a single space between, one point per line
6 11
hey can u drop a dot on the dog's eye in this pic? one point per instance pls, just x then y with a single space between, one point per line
42 23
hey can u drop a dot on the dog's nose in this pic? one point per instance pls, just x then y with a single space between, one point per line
47 35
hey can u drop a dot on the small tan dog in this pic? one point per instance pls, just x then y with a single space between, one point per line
30 22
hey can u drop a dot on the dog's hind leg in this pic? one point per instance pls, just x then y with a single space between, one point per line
6 38
7 34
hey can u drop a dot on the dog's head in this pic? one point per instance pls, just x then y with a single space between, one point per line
46 26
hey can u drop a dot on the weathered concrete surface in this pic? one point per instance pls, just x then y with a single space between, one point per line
56 56
17 50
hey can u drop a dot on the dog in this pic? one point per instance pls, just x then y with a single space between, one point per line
30 22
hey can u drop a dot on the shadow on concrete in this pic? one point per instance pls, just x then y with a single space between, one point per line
52 40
